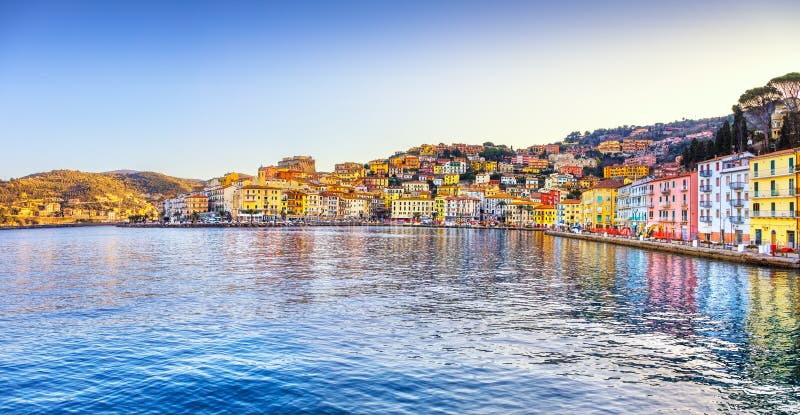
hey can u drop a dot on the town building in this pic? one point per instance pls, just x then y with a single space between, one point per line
773 212
674 208
724 199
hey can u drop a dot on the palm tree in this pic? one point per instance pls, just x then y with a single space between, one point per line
194 216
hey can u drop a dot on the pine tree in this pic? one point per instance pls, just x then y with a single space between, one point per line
790 131
739 135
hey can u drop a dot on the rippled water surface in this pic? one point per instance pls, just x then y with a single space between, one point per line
385 320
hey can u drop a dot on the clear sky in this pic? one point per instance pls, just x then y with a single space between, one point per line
197 89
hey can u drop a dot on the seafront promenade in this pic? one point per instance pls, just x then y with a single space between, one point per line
751 258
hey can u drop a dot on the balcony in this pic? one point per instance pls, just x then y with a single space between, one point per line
737 185
705 204
665 203
650 205
705 173
774 172
705 219
705 188
684 188
775 193
737 220
773 214
664 189
738 203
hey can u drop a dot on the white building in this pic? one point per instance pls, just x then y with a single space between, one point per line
412 208
462 207
724 198
482 178
632 205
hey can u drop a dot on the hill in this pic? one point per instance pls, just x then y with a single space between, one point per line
62 196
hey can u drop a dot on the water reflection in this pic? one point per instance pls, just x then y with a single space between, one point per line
389 319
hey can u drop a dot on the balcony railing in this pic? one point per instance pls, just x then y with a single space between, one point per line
705 188
774 172
665 203
738 202
705 204
773 214
737 220
775 193
705 173
664 189
737 185
705 219
684 188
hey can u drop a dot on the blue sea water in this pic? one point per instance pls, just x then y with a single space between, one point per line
385 320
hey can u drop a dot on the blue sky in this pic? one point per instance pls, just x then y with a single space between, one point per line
197 89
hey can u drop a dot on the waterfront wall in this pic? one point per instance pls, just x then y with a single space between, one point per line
709 253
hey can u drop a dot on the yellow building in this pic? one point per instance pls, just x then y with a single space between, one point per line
607 147
448 179
379 167
630 172
427 150
296 203
544 215
773 213
440 206
598 204
263 200
520 212
447 190
568 212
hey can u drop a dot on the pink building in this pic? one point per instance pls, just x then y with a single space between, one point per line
672 207
575 171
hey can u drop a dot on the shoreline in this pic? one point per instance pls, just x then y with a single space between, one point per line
747 258
59 225
313 225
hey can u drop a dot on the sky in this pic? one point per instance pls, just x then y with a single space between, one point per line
197 89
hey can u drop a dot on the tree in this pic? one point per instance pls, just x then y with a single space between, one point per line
250 212
739 134
722 140
194 216
760 102
788 87
790 131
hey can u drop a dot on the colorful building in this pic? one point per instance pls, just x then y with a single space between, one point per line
773 212
598 204
724 199
674 207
